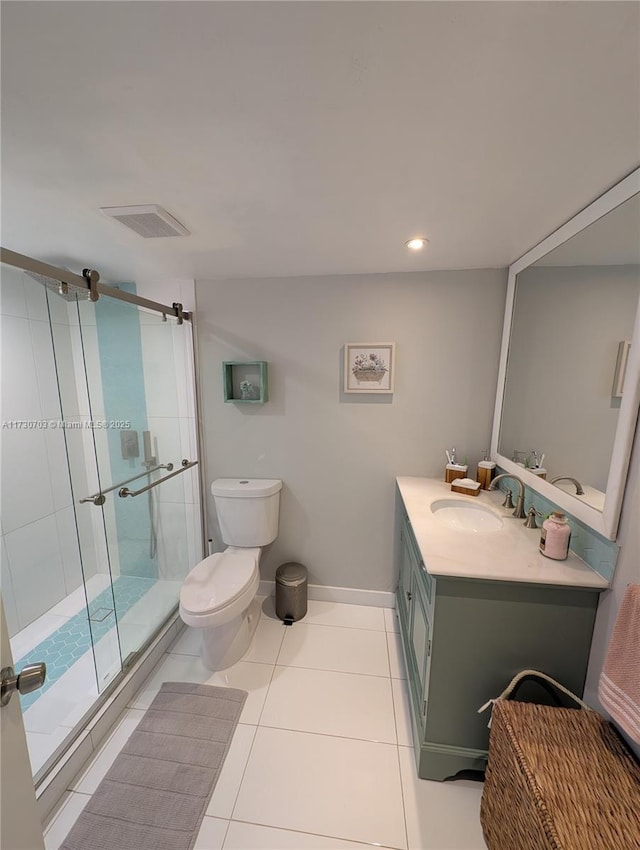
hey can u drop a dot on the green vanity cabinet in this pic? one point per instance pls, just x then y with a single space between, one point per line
463 641
413 602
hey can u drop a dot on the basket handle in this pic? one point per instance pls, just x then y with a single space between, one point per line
531 674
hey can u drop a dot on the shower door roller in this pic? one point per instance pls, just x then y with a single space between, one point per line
30 679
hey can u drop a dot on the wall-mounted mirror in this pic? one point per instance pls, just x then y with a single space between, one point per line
569 384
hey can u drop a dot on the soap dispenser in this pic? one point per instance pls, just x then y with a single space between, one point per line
486 471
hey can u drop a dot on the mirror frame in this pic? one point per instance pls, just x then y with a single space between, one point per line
604 522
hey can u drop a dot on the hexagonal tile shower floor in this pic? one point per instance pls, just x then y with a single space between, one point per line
82 651
64 647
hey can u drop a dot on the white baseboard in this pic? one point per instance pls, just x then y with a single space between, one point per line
350 595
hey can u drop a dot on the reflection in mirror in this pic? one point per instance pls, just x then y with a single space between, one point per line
565 415
574 310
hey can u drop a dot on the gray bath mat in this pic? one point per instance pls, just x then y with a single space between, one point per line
155 794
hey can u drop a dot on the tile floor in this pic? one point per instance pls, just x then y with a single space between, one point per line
322 755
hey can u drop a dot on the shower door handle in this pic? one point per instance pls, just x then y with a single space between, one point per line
186 464
29 679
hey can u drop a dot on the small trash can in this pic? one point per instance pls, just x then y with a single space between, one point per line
291 592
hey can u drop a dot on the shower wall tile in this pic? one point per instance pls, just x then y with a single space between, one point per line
92 366
58 307
179 536
121 358
20 397
100 448
172 535
36 299
40 557
167 448
69 548
82 466
58 468
87 313
111 551
65 369
86 396
159 370
36 570
91 536
26 487
189 444
8 596
194 535
72 311
45 368
12 299
180 337
79 375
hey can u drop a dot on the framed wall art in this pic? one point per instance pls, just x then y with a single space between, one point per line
369 367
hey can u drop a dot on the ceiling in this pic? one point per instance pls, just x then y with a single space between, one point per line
311 138
612 240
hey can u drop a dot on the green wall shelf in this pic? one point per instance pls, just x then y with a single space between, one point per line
245 382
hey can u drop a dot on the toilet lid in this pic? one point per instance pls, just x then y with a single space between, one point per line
217 581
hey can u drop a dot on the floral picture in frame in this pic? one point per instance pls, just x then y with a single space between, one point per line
369 367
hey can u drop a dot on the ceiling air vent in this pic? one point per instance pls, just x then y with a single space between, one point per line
149 221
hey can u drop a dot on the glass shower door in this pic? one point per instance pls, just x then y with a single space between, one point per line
143 430
95 397
53 552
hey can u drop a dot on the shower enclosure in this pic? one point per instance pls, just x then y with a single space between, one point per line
101 510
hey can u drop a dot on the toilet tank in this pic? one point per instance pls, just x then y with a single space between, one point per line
248 510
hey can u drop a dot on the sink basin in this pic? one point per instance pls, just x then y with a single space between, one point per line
465 516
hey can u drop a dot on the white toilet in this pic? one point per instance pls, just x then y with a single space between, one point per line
218 595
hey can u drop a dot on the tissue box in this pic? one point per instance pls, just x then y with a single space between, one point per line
467 486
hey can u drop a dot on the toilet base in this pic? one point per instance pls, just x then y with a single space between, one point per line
223 645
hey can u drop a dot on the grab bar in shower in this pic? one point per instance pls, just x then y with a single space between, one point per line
186 464
99 498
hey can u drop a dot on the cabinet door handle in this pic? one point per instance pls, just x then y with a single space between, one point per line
424 708
408 596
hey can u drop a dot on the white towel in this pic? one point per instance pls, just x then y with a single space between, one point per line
619 687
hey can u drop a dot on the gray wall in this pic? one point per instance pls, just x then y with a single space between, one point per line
337 454
562 357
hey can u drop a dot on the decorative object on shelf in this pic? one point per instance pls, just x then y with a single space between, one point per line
245 382
369 367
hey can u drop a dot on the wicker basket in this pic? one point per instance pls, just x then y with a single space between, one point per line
369 374
558 779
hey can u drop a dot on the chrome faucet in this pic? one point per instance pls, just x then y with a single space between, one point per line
579 490
519 510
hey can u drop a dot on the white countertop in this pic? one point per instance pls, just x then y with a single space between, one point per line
509 554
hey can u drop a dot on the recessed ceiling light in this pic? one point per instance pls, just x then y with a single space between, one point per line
417 244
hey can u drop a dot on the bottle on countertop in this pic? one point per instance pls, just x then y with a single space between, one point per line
486 471
555 536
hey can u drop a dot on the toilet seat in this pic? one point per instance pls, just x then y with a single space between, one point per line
219 588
